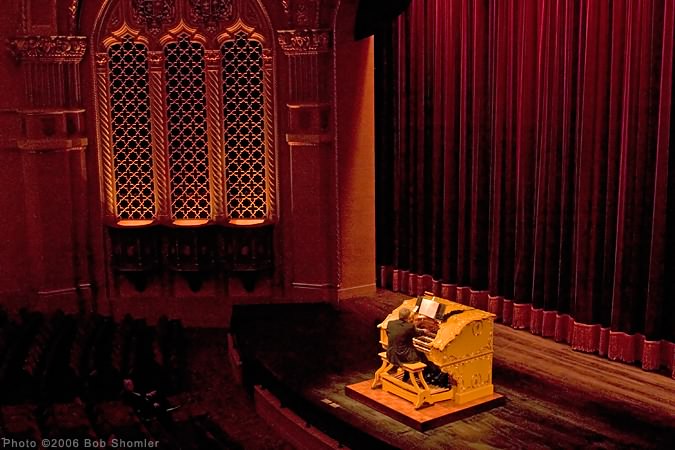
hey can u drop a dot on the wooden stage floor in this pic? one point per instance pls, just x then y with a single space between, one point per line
555 397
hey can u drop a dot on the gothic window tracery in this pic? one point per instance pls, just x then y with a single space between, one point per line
243 100
187 135
185 128
131 136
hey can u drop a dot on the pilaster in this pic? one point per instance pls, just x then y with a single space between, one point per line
51 145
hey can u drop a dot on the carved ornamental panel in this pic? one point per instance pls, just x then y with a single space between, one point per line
49 48
209 13
304 41
153 13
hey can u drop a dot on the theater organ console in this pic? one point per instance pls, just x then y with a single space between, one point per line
458 341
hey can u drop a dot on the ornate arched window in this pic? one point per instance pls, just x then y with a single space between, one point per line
185 112
129 129
244 114
187 142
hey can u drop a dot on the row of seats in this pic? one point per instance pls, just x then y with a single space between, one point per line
57 357
65 376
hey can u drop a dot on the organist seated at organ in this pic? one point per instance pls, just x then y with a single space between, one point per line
400 334
436 350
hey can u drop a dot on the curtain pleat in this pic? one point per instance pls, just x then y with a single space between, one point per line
525 163
660 309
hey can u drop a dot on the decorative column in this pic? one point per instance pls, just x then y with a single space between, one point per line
310 137
52 145
105 138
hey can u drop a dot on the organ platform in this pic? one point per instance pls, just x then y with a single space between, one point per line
457 339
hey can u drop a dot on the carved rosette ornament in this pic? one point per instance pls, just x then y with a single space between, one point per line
153 13
304 41
49 48
209 12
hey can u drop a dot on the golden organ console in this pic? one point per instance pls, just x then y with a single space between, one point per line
458 340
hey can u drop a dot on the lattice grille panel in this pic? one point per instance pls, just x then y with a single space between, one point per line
243 107
131 142
187 138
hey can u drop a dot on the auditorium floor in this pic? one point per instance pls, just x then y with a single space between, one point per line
215 393
556 398
307 354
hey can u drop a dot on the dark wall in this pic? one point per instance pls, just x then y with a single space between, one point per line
59 251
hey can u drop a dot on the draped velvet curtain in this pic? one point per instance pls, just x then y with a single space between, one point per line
526 165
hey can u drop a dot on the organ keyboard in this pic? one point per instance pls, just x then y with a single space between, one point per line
458 340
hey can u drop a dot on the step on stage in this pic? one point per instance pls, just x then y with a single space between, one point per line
425 418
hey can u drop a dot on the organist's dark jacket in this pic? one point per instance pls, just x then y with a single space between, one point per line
400 350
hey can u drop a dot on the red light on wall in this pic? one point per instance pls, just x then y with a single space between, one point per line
246 222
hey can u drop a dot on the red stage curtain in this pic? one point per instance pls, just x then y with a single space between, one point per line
525 151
